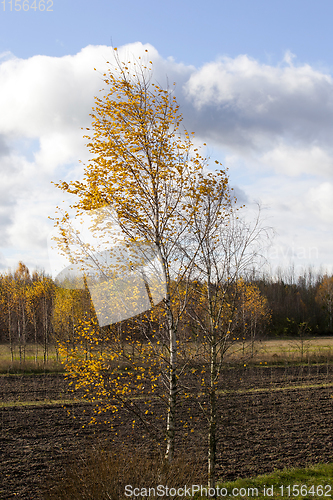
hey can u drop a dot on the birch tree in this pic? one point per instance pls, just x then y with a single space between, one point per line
143 169
325 297
8 309
229 247
253 313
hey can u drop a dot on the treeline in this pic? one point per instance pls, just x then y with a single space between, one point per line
295 303
33 309
26 305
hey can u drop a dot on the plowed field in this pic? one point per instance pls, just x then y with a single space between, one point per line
269 418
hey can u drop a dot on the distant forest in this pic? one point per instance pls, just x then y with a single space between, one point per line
33 309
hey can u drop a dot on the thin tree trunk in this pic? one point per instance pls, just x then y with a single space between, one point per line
35 331
212 416
19 336
24 331
10 333
171 412
45 328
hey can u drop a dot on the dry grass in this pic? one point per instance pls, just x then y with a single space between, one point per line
28 363
266 352
275 345
295 350
282 351
103 475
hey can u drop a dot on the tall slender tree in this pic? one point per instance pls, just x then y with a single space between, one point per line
325 297
143 169
229 247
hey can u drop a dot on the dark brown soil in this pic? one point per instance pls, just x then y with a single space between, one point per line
274 420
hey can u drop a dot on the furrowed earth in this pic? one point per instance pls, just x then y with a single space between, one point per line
269 418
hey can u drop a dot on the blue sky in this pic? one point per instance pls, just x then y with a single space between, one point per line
254 81
190 32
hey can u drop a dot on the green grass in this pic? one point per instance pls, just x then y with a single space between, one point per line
317 482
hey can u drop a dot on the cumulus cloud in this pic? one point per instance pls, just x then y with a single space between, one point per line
4 148
44 94
271 124
244 104
300 211
294 161
44 102
321 202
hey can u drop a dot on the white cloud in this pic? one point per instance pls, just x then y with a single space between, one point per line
273 124
300 210
45 101
295 161
245 105
321 202
45 94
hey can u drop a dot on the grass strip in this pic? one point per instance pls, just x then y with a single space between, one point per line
311 483
45 402
276 389
8 404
